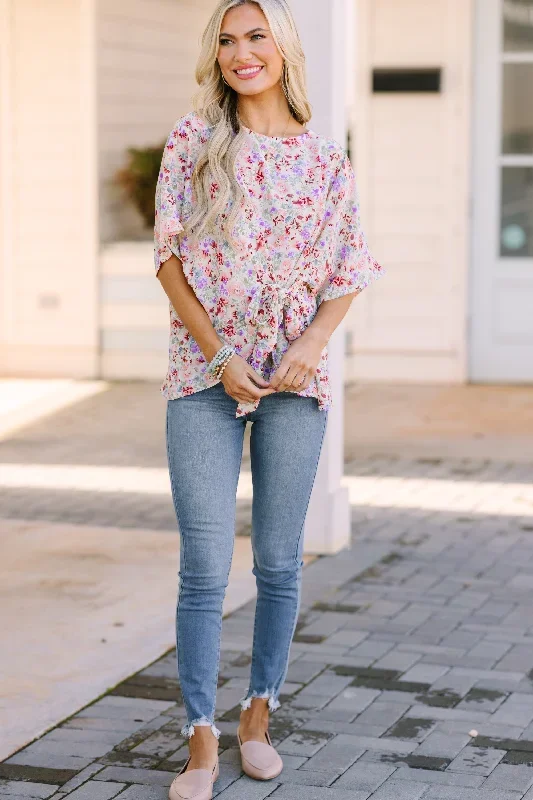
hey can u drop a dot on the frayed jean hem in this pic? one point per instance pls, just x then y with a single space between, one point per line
202 722
273 702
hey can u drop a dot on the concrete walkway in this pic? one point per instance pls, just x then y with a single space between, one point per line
81 609
411 672
493 423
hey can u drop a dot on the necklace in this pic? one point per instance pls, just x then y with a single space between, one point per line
284 132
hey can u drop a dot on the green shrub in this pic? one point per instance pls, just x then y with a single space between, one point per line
139 179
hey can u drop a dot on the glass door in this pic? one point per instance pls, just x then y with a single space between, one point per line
516 162
502 275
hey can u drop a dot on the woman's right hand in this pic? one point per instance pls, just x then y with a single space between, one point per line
242 382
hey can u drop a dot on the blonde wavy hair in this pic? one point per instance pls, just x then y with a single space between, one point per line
216 103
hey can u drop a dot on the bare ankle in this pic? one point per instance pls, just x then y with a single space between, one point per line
204 735
203 743
256 715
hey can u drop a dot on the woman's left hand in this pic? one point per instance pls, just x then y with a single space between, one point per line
298 366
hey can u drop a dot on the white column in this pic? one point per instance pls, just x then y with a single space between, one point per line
6 185
324 29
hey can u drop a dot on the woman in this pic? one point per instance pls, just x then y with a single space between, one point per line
259 248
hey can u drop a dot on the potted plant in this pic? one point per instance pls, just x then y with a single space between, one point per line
139 179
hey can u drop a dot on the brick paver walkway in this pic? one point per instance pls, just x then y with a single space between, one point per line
411 678
411 673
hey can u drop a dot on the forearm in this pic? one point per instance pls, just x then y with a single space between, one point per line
188 308
328 317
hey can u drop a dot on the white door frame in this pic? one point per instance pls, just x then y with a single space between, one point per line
490 360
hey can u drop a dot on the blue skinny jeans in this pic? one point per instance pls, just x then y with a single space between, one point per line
204 449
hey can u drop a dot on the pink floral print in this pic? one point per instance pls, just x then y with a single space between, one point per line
298 243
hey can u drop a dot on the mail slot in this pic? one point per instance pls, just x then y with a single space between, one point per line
407 80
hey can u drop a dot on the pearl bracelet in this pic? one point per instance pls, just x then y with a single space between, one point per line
220 360
221 369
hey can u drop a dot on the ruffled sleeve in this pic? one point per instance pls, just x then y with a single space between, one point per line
349 263
174 175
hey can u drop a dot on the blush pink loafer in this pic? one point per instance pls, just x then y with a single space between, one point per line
193 784
259 759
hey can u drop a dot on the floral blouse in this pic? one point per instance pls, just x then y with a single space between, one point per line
298 242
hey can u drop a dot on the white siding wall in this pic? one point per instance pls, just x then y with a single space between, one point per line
147 52
47 189
412 161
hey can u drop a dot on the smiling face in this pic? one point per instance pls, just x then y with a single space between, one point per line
248 56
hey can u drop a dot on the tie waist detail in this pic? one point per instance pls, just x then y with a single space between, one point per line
273 308
278 314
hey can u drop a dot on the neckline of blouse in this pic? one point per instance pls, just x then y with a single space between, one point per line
302 135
